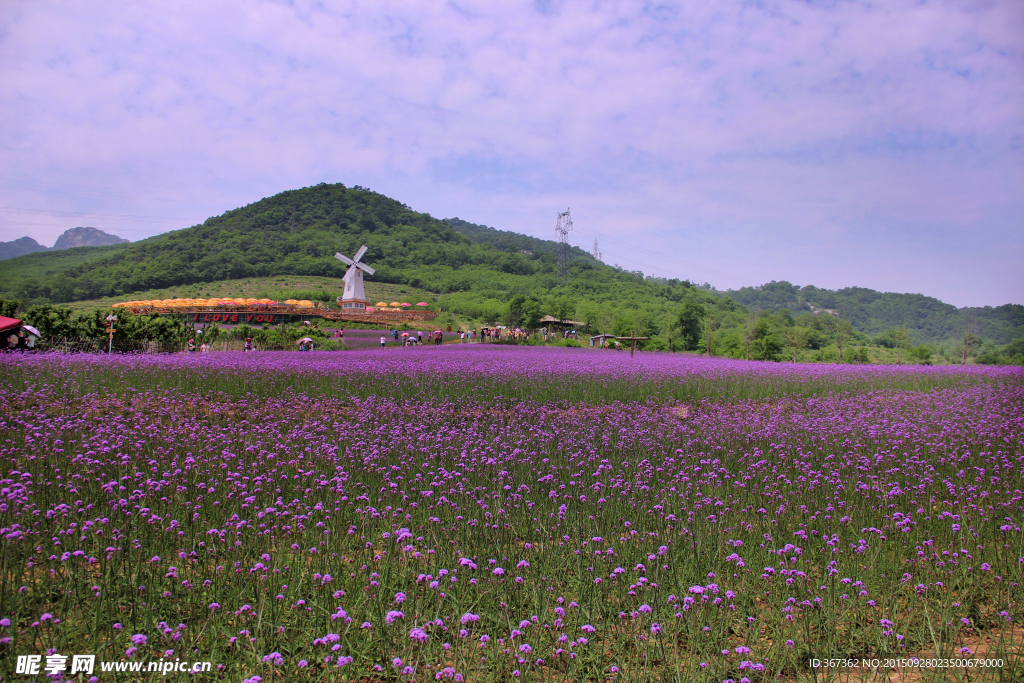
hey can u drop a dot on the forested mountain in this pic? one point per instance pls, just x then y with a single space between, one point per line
479 273
19 247
873 312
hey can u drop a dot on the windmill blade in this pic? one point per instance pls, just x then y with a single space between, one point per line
359 254
344 259
365 268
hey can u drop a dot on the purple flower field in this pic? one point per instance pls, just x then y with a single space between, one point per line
500 513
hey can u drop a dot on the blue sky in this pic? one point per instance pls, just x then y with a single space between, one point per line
873 144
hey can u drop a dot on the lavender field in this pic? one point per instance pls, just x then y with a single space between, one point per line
494 513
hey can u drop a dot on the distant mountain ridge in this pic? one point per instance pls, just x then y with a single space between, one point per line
20 247
86 237
74 237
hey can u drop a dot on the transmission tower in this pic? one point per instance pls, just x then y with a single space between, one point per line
562 227
596 252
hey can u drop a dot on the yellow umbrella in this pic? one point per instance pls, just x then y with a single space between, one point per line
382 304
291 301
395 303
305 303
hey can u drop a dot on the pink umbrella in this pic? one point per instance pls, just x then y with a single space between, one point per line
406 304
423 303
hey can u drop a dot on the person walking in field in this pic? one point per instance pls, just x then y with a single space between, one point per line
462 337
382 340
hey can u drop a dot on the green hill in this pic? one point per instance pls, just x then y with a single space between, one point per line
873 312
473 271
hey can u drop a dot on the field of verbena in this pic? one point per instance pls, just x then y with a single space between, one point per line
489 513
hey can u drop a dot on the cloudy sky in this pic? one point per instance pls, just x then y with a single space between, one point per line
835 143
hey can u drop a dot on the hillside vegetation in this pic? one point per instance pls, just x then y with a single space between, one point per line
873 312
482 275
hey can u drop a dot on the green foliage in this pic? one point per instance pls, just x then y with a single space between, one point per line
58 326
9 308
927 318
1009 354
690 316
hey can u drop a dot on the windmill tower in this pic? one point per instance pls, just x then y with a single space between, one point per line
354 296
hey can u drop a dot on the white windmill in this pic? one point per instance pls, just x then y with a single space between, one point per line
354 296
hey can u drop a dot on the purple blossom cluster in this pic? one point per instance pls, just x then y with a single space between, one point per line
476 536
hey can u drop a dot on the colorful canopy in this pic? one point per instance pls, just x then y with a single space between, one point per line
423 303
8 323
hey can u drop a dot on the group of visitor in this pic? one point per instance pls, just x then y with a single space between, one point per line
487 335
203 348
20 340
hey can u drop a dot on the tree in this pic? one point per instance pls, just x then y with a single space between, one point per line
532 313
9 307
841 330
708 327
564 307
750 329
900 339
797 337
589 314
690 316
514 316
966 345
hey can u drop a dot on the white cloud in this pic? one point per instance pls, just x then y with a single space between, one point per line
744 130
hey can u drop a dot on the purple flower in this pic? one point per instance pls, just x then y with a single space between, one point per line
419 635
139 639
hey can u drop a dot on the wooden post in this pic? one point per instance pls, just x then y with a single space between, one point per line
633 339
